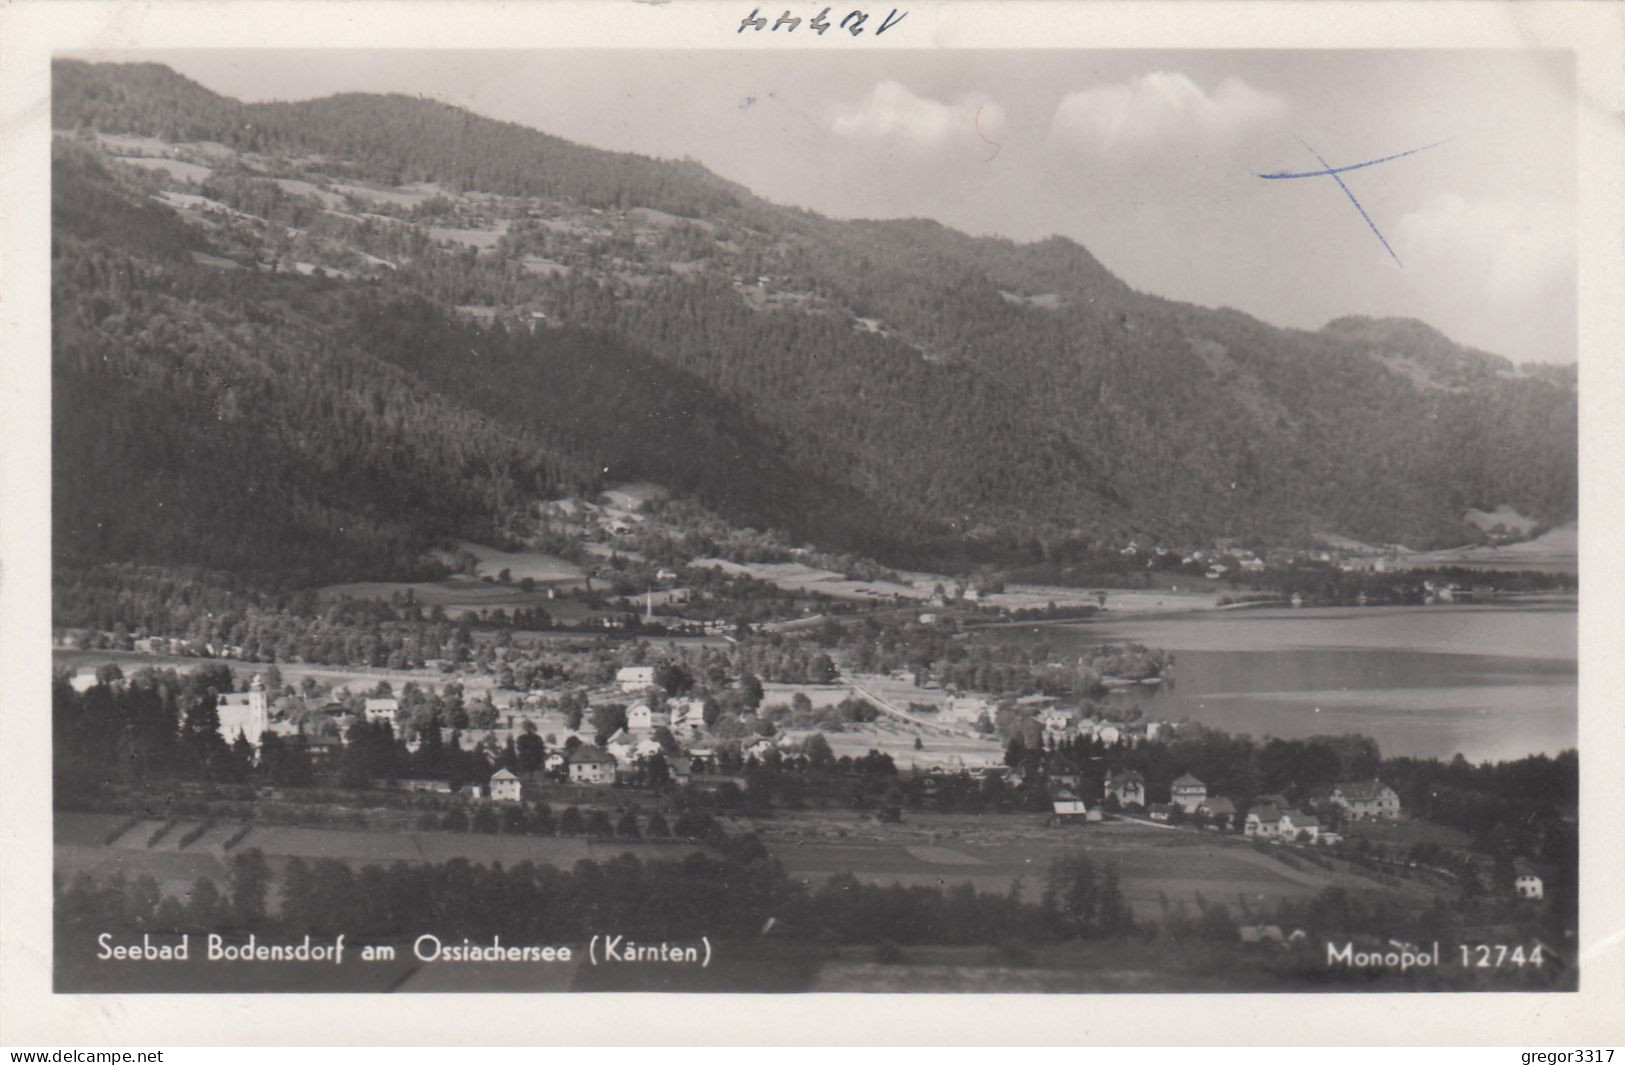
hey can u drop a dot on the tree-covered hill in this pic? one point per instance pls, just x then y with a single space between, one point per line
394 139
314 337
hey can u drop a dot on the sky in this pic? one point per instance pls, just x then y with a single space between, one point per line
1150 159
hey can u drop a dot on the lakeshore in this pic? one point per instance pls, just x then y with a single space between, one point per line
1486 681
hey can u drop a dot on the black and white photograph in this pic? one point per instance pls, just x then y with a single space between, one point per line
813 511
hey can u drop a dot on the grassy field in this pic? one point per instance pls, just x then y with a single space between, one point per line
80 846
1407 832
950 745
917 587
993 851
797 577
463 592
820 695
1555 551
539 567
889 736
1191 594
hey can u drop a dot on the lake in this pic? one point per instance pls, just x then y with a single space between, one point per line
1490 682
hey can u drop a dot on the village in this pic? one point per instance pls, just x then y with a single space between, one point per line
637 675
655 746
630 749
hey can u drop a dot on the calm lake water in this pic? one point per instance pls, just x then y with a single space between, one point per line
1491 682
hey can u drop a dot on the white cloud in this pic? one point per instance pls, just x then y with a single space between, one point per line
1496 273
1509 250
1163 112
892 113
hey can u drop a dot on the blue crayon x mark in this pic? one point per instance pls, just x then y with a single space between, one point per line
1334 173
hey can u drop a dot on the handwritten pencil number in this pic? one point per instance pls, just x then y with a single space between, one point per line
852 22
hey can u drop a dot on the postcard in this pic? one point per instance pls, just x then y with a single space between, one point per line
1056 505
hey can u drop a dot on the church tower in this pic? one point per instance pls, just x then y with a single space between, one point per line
247 713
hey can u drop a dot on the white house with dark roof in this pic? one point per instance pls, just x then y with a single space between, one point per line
1366 798
589 765
1188 793
1263 820
505 786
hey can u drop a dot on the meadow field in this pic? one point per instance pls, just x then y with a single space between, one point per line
1163 873
1157 865
81 846
481 590
893 737
1555 551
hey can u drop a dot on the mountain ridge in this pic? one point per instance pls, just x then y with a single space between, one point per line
898 387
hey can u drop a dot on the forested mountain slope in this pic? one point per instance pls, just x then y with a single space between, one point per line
313 337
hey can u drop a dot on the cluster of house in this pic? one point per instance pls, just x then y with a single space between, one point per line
1219 560
586 764
1269 816
1062 725
623 750
248 714
1272 817
1228 558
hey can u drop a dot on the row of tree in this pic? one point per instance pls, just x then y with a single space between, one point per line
728 893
